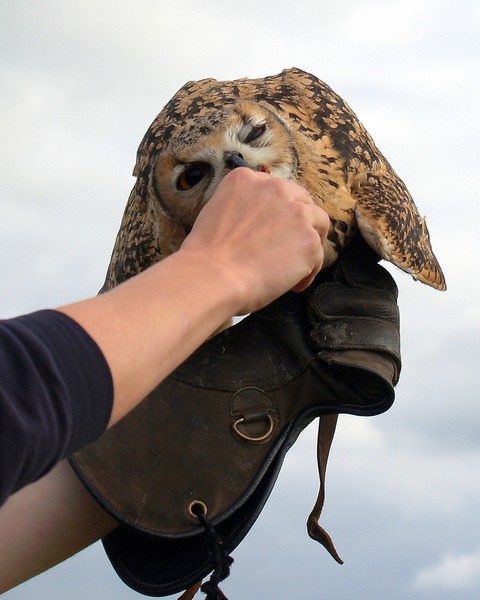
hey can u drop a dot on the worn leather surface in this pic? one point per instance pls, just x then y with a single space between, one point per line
217 430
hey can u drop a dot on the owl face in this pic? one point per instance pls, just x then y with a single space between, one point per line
203 150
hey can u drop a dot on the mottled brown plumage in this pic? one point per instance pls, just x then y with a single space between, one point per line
291 125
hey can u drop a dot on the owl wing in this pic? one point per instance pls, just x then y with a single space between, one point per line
146 235
390 223
385 211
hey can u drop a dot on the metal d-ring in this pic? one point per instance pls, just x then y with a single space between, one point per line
251 438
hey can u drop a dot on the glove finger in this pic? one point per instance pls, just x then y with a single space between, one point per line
331 300
362 272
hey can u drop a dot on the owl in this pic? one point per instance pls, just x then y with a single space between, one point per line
291 125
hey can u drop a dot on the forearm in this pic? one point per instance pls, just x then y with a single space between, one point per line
45 523
150 324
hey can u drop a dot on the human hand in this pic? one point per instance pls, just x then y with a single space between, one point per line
264 233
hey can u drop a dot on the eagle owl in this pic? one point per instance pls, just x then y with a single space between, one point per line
290 125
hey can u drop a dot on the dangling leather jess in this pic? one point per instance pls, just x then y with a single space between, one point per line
326 431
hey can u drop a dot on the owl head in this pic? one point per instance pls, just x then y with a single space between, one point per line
199 152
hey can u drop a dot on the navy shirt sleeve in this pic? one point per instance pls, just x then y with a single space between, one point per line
56 395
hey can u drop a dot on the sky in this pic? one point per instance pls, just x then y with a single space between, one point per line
81 81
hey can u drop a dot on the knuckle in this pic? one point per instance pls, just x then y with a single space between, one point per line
238 174
277 187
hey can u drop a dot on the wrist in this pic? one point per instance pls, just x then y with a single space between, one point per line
213 282
151 323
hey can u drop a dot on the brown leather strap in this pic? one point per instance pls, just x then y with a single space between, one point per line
326 431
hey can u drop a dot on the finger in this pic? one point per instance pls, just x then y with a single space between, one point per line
304 283
305 196
320 222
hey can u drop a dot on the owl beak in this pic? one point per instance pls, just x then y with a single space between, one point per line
233 160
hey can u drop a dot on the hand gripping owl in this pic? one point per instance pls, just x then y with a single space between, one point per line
290 125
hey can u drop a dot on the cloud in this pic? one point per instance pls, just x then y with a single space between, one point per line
412 20
454 572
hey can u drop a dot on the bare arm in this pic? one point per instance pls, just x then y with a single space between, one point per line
257 238
47 522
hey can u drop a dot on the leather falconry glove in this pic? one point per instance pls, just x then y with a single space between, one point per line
189 470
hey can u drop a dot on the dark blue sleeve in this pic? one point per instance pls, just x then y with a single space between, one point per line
56 395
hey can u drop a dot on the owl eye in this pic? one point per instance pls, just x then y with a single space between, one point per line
255 133
192 175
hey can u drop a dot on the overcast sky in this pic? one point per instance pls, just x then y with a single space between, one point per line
80 82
